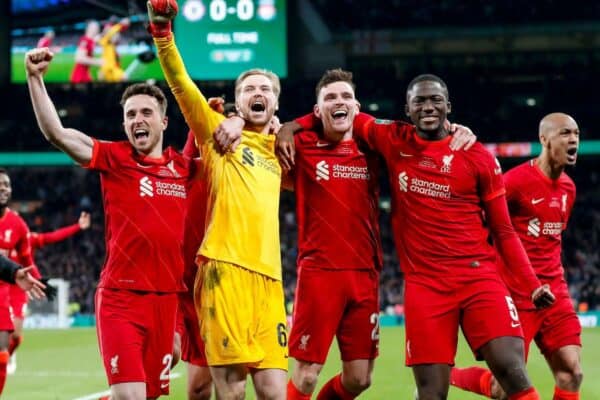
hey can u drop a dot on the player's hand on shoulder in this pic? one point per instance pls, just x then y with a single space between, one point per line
462 137
228 134
285 148
542 297
38 60
274 125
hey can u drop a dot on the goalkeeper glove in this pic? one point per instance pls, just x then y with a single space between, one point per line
160 15
50 290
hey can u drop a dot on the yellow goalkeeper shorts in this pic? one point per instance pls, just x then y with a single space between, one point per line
242 316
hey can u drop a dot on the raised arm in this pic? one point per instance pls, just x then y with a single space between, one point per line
73 142
65 232
199 116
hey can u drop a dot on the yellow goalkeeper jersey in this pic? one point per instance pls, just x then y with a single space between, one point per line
242 224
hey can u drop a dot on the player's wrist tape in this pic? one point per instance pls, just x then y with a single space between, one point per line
160 30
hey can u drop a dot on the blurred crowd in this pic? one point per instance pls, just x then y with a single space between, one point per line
50 198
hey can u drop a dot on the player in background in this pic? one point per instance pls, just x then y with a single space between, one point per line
46 39
13 237
144 194
540 198
111 70
431 185
187 335
84 55
239 288
18 298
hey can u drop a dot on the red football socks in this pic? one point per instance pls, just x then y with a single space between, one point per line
561 394
334 390
293 393
474 379
4 356
14 343
527 394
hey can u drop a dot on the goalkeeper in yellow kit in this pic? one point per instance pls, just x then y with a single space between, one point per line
111 70
238 290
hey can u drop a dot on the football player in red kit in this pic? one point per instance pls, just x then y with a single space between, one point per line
540 198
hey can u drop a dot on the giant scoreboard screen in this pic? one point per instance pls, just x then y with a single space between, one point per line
218 39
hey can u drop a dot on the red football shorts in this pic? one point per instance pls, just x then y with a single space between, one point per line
5 317
551 328
341 303
18 302
135 334
482 307
192 346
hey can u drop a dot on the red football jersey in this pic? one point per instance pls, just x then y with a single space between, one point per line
37 240
194 218
336 204
44 42
539 209
81 72
437 197
144 206
14 240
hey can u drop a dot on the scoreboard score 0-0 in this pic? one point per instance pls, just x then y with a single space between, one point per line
218 39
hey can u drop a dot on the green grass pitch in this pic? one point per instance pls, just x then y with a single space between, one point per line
65 365
60 69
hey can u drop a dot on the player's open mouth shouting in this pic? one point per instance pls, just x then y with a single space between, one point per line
572 155
141 135
258 106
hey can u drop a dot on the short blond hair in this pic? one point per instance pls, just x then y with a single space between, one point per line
258 71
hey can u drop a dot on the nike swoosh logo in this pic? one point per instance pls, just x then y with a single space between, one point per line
164 385
323 144
536 201
406 155
514 324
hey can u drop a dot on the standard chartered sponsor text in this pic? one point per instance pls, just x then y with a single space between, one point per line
350 172
268 165
428 188
552 228
170 189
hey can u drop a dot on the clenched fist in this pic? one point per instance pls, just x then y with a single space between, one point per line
160 15
37 61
